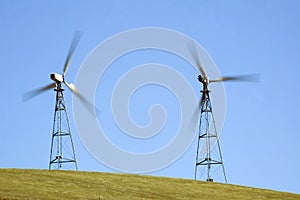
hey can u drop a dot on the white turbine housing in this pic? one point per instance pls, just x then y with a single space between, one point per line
57 77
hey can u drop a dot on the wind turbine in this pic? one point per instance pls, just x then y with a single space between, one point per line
62 148
210 159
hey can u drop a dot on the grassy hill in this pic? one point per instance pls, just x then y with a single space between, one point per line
45 184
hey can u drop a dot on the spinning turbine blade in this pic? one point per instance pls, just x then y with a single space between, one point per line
85 102
38 91
76 38
196 58
249 77
195 117
197 111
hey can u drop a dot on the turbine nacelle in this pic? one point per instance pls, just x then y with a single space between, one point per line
203 80
58 78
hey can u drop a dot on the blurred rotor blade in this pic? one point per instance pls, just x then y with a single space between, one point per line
195 55
76 38
195 117
198 109
249 78
33 93
90 107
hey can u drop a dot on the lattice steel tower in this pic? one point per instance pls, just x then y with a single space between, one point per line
62 153
209 157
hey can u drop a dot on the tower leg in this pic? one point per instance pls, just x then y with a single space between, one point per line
209 162
62 153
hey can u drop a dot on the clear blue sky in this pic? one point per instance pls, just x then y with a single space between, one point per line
260 138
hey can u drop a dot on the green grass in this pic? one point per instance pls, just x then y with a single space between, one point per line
45 184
